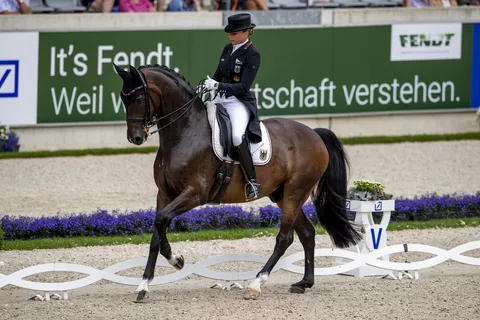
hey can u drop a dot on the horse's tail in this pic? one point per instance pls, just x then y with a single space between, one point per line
330 196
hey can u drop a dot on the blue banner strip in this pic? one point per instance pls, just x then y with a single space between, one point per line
475 88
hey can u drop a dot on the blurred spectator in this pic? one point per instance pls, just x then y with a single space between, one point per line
135 6
234 5
160 5
430 3
468 2
443 3
15 7
256 5
416 3
99 5
183 5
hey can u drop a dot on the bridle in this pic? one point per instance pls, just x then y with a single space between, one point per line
151 120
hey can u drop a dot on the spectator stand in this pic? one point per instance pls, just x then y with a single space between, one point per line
65 5
38 6
56 6
304 4
285 17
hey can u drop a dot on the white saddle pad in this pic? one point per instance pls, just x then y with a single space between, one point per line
261 151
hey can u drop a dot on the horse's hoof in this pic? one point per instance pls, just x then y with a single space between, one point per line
296 289
142 295
303 284
180 263
251 294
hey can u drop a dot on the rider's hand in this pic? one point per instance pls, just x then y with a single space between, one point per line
211 84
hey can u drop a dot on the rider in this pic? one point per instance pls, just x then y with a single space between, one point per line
236 71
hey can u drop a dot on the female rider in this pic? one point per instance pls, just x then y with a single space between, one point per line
236 71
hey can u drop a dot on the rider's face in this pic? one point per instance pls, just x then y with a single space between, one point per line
238 37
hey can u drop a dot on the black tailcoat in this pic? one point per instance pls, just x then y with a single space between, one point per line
235 74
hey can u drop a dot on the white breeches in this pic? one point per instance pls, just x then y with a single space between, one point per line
239 116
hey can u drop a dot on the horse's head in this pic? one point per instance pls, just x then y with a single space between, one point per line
140 101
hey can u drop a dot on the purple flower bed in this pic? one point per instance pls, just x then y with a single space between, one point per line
212 217
102 223
427 207
9 141
436 206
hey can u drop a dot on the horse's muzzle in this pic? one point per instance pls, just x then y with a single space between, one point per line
138 140
136 136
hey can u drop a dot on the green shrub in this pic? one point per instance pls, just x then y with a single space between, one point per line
365 190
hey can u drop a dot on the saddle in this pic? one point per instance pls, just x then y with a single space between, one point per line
222 137
223 148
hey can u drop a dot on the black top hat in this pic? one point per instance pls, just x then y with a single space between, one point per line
239 22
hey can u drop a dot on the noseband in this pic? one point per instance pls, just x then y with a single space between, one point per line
151 120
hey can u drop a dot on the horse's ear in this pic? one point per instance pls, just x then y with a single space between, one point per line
122 73
135 74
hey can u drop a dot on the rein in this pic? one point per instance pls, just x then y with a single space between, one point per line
154 120
150 121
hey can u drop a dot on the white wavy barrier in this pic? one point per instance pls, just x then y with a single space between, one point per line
201 268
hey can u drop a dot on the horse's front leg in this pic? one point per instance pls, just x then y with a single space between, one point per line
142 289
187 200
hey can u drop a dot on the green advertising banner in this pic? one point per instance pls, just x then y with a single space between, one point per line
303 71
76 78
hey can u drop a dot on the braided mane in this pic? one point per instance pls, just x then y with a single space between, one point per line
168 71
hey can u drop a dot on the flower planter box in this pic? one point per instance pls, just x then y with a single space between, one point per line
370 206
374 235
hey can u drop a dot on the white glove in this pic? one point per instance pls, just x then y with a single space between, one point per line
211 84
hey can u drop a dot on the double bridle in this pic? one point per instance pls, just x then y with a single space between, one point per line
151 120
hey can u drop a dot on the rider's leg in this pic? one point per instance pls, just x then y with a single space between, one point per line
248 168
239 117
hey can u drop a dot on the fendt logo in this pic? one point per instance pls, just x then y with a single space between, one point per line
426 40
8 78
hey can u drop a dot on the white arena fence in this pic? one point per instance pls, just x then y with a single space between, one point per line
201 268
368 258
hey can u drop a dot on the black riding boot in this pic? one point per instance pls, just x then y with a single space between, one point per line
246 163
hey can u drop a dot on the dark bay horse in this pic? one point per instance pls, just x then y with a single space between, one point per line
304 162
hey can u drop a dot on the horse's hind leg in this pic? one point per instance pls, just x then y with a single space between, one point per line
290 210
306 234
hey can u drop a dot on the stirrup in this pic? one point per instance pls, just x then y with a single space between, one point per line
252 191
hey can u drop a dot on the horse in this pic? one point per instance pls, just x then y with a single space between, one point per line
304 162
